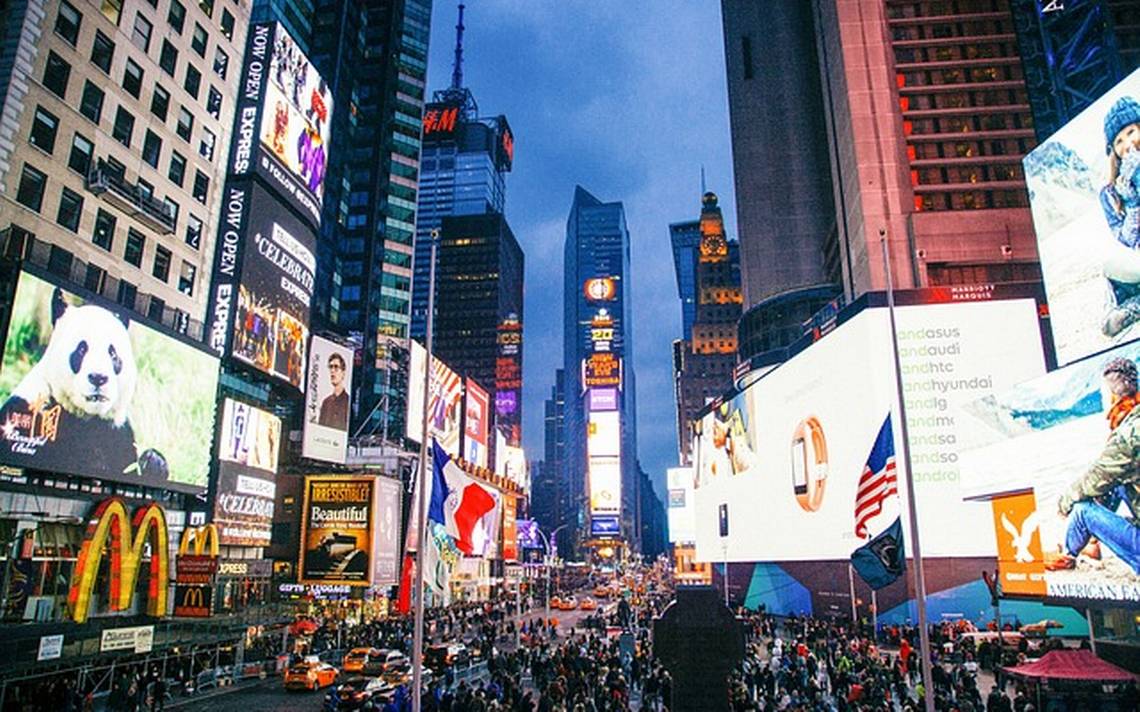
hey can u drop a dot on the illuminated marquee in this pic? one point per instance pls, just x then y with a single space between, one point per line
600 289
601 370
199 541
111 524
440 119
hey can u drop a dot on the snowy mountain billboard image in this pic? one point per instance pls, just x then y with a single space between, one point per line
1084 189
1067 439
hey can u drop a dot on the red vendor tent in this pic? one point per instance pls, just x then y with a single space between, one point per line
1078 665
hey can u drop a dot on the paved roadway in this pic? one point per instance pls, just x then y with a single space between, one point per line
270 696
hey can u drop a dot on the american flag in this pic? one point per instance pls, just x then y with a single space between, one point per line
879 480
446 388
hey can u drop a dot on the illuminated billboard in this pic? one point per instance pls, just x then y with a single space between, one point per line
248 445
603 434
605 526
600 289
440 120
510 547
337 530
679 504
328 400
284 115
795 443
605 485
600 370
1054 437
1084 190
476 424
603 399
264 271
386 543
445 401
88 391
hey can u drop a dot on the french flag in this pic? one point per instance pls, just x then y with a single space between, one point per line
878 481
460 504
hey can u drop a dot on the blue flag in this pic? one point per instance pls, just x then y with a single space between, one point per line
883 559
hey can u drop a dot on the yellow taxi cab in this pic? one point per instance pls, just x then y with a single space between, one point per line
568 604
354 660
589 604
556 603
601 591
309 674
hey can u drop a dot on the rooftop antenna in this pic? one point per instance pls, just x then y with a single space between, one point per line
457 69
703 190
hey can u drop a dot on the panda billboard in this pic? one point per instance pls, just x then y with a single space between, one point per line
264 272
86 391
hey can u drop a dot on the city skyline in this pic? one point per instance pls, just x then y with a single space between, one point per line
673 121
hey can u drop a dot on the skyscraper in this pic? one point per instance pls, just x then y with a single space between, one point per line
706 355
786 214
927 119
479 313
685 237
373 55
600 407
464 169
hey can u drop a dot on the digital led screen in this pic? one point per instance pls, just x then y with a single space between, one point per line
337 530
476 424
445 401
248 445
605 485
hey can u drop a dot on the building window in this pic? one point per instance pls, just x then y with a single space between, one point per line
67 22
145 188
59 261
140 35
168 57
70 209
206 144
221 62
207 7
214 103
102 52
186 278
133 78
127 294
124 126
104 234
159 102
161 270
177 171
94 279
193 232
185 124
198 40
156 307
176 17
136 243
44 127
30 194
91 105
82 151
112 10
193 81
56 74
152 148
227 25
201 186
172 208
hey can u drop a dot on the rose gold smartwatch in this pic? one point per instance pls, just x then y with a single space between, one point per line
809 463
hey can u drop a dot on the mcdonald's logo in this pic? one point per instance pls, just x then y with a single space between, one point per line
196 539
111 525
193 601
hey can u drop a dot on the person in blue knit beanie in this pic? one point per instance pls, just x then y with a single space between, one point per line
1120 201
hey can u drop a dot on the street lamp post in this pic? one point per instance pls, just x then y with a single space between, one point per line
548 560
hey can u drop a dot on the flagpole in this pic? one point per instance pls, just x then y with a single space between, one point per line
919 577
851 590
421 494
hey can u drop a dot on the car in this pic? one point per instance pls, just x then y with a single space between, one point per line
401 674
355 692
379 661
601 591
569 603
589 604
310 674
354 660
556 603
441 655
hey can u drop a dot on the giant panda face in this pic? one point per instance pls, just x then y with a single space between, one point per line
90 364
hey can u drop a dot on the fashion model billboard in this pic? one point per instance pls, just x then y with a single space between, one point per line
264 272
248 445
337 530
88 391
795 444
445 401
476 424
1084 188
284 115
327 401
386 547
1069 438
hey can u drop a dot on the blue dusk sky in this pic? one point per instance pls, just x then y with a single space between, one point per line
628 100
